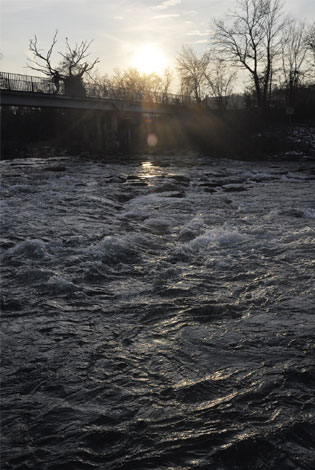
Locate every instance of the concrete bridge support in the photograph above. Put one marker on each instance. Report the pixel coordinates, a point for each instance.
(107, 132)
(97, 131)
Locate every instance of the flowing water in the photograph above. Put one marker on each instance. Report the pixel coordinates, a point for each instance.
(158, 314)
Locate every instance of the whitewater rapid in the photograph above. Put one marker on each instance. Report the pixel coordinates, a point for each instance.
(158, 313)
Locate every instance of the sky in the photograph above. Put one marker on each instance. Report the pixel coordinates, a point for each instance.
(147, 34)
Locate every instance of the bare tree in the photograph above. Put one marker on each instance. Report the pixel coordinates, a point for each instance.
(138, 86)
(130, 80)
(250, 38)
(72, 67)
(294, 54)
(167, 79)
(152, 83)
(73, 60)
(221, 79)
(45, 68)
(310, 42)
(192, 72)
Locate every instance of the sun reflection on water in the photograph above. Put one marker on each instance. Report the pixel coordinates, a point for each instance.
(148, 170)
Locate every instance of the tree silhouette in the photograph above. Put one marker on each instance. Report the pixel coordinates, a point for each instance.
(221, 79)
(193, 72)
(71, 69)
(310, 42)
(294, 54)
(251, 38)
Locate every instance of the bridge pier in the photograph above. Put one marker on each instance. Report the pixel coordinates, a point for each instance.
(102, 121)
(96, 131)
(106, 132)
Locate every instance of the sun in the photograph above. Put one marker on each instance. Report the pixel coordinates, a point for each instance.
(149, 58)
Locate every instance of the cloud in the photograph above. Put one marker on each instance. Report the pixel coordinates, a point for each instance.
(118, 17)
(161, 17)
(167, 4)
(198, 33)
(201, 41)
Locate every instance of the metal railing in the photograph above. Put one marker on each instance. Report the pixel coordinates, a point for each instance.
(26, 83)
(30, 84)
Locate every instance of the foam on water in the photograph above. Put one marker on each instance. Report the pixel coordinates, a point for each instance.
(309, 213)
(33, 249)
(153, 320)
(113, 249)
(59, 285)
(214, 238)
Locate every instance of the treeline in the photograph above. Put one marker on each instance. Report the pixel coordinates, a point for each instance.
(257, 45)
(261, 44)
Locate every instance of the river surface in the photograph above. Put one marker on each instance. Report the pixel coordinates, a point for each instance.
(158, 314)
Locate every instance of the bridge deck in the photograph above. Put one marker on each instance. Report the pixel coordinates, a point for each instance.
(24, 90)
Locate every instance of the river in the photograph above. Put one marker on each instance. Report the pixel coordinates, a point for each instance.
(158, 314)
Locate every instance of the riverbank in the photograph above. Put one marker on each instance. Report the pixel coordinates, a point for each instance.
(237, 134)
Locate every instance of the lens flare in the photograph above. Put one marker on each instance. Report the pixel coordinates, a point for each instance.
(152, 140)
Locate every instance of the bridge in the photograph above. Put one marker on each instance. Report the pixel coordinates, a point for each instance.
(97, 117)
(26, 90)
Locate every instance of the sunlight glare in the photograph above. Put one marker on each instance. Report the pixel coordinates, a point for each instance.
(152, 140)
(148, 170)
(149, 58)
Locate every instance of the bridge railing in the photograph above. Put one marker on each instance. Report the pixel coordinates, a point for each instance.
(27, 83)
(30, 84)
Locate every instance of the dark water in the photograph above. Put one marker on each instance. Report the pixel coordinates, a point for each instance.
(158, 314)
